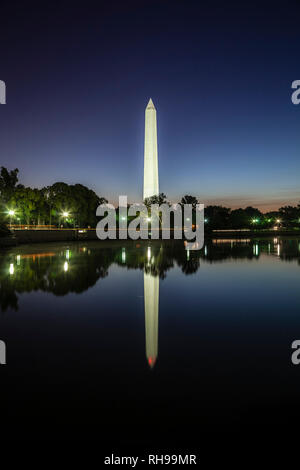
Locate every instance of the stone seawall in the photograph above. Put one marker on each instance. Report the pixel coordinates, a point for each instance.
(44, 236)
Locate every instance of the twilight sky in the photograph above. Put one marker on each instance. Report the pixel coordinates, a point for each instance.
(79, 77)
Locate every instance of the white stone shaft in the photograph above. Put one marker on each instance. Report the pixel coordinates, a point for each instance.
(150, 153)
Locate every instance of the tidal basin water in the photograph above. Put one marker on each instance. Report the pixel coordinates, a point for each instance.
(147, 342)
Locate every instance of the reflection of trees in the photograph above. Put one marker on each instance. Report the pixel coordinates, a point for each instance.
(227, 251)
(61, 273)
(155, 259)
(233, 250)
(164, 255)
(52, 273)
(289, 249)
(191, 266)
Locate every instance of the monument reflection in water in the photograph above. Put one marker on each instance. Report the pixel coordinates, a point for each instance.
(151, 300)
(228, 314)
(61, 269)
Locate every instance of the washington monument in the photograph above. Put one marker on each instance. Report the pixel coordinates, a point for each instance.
(150, 153)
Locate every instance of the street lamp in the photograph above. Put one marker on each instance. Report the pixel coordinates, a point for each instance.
(11, 213)
(65, 214)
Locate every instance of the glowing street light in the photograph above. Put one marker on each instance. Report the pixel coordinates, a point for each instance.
(278, 221)
(11, 214)
(65, 215)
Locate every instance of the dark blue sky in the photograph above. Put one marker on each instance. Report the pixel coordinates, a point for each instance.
(79, 77)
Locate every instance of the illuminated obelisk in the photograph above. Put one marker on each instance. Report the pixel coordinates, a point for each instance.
(150, 153)
(151, 295)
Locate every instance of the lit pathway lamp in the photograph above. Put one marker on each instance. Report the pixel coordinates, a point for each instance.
(11, 214)
(65, 215)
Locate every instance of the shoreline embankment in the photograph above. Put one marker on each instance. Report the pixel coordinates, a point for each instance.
(73, 235)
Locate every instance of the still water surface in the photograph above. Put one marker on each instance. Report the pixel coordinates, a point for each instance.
(147, 342)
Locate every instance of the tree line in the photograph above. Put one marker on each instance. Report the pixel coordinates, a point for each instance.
(60, 203)
(75, 205)
(220, 217)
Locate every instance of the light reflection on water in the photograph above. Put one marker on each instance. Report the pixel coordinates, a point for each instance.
(197, 316)
(59, 269)
(25, 263)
